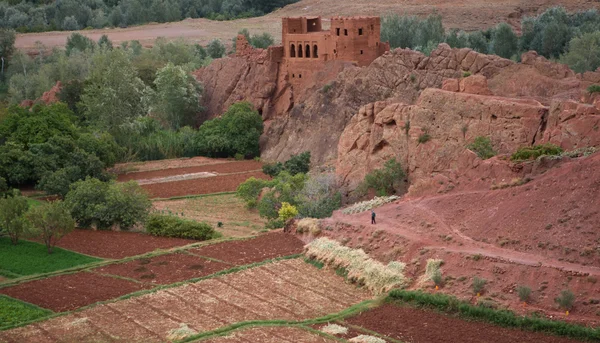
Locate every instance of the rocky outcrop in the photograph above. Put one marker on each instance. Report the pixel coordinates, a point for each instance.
(430, 136)
(49, 97)
(573, 125)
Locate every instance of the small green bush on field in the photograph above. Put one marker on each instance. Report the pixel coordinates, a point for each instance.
(531, 153)
(13, 311)
(593, 89)
(524, 293)
(482, 146)
(171, 226)
(452, 305)
(424, 138)
(478, 284)
(565, 299)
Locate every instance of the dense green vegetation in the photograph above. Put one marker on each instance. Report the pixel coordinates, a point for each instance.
(42, 15)
(533, 152)
(388, 180)
(451, 305)
(573, 38)
(13, 311)
(482, 146)
(315, 196)
(172, 226)
(27, 258)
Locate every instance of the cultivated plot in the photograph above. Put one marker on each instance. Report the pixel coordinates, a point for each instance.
(286, 290)
(270, 335)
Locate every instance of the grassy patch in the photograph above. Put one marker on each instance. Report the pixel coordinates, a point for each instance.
(451, 305)
(27, 258)
(533, 152)
(13, 311)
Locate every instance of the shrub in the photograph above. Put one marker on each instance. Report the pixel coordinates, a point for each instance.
(387, 180)
(437, 278)
(215, 49)
(319, 197)
(171, 226)
(274, 224)
(593, 89)
(505, 42)
(565, 299)
(287, 211)
(51, 221)
(584, 53)
(12, 216)
(466, 74)
(482, 146)
(107, 204)
(298, 163)
(424, 138)
(531, 153)
(272, 169)
(250, 189)
(237, 131)
(524, 293)
(478, 284)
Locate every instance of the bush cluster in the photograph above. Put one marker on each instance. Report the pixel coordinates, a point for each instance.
(482, 146)
(388, 180)
(172, 226)
(296, 164)
(533, 152)
(105, 205)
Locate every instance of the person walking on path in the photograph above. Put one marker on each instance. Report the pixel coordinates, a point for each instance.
(373, 217)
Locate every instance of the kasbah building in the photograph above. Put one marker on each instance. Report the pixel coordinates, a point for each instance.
(306, 47)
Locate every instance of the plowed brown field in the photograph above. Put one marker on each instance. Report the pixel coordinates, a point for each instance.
(288, 290)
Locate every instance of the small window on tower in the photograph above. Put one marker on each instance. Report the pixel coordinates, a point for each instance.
(361, 52)
(337, 31)
(299, 76)
(293, 75)
(372, 27)
(360, 31)
(345, 32)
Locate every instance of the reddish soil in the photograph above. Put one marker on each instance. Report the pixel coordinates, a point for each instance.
(116, 245)
(69, 292)
(221, 183)
(414, 325)
(165, 269)
(221, 168)
(258, 249)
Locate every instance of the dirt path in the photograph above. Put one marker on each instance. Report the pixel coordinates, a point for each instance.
(465, 14)
(401, 218)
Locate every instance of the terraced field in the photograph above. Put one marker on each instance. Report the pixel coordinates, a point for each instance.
(289, 290)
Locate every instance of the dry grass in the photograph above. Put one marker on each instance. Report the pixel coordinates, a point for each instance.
(432, 268)
(366, 339)
(309, 225)
(375, 276)
(180, 333)
(237, 220)
(334, 329)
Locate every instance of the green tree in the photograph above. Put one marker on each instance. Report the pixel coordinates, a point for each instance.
(262, 41)
(177, 98)
(7, 47)
(478, 42)
(107, 204)
(12, 216)
(385, 181)
(215, 49)
(399, 31)
(114, 94)
(298, 163)
(237, 131)
(79, 42)
(51, 221)
(457, 39)
(431, 32)
(319, 197)
(505, 42)
(584, 53)
(105, 43)
(482, 146)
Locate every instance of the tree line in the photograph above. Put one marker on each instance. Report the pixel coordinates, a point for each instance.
(41, 15)
(571, 38)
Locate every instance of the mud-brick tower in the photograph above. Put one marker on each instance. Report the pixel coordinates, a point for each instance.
(307, 47)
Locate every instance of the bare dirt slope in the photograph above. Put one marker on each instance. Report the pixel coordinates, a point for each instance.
(543, 235)
(464, 14)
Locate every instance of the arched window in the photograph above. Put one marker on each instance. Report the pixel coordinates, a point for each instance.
(300, 50)
(307, 51)
(315, 51)
(292, 50)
